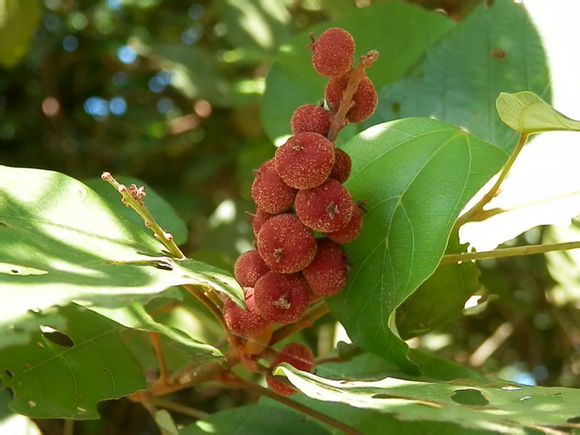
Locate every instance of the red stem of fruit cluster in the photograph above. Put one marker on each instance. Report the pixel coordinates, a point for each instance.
(339, 119)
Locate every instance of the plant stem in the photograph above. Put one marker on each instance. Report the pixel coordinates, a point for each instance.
(478, 207)
(306, 322)
(182, 409)
(509, 252)
(154, 337)
(133, 197)
(297, 406)
(354, 78)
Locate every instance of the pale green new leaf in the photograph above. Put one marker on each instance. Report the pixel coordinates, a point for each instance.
(502, 407)
(527, 113)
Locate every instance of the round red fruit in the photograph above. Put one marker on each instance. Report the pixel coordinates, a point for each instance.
(281, 298)
(244, 323)
(332, 52)
(285, 244)
(328, 272)
(351, 231)
(258, 219)
(298, 356)
(270, 192)
(310, 118)
(326, 208)
(249, 267)
(342, 164)
(364, 99)
(305, 160)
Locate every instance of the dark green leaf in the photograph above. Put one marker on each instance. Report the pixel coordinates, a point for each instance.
(415, 176)
(494, 50)
(67, 380)
(441, 298)
(400, 32)
(255, 419)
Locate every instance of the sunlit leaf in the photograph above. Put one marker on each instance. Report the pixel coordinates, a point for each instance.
(18, 22)
(503, 407)
(415, 176)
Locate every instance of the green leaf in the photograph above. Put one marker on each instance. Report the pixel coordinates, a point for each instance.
(415, 176)
(494, 49)
(255, 419)
(262, 24)
(164, 214)
(293, 81)
(441, 298)
(66, 376)
(135, 317)
(469, 404)
(18, 22)
(527, 113)
(60, 242)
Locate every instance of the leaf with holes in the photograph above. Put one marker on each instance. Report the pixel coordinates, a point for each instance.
(495, 49)
(415, 176)
(502, 407)
(527, 113)
(65, 373)
(60, 242)
(378, 27)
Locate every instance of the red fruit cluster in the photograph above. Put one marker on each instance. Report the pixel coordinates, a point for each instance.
(298, 356)
(303, 212)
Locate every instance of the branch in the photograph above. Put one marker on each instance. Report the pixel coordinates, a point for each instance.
(297, 406)
(133, 197)
(354, 78)
(509, 252)
(478, 207)
(306, 322)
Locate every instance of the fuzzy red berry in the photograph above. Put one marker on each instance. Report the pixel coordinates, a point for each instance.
(305, 160)
(244, 323)
(257, 220)
(298, 356)
(310, 118)
(364, 99)
(351, 231)
(328, 272)
(342, 164)
(326, 208)
(249, 267)
(281, 298)
(332, 52)
(270, 192)
(285, 244)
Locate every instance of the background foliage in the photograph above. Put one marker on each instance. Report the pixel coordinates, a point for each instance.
(189, 96)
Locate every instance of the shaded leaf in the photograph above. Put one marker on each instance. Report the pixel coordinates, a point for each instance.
(84, 252)
(293, 81)
(54, 381)
(469, 404)
(402, 170)
(441, 298)
(495, 49)
(527, 113)
(18, 22)
(255, 419)
(135, 317)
